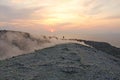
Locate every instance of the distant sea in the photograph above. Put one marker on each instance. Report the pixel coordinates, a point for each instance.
(113, 39)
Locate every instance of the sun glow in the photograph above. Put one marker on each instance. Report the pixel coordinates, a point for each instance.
(61, 14)
(56, 18)
(52, 30)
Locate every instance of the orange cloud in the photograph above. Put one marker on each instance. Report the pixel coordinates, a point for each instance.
(63, 14)
(17, 1)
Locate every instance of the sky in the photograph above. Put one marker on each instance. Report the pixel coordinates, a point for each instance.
(56, 16)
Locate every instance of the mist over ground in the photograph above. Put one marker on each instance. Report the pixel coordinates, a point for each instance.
(14, 43)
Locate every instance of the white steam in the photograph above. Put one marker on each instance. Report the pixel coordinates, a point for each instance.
(17, 43)
(14, 43)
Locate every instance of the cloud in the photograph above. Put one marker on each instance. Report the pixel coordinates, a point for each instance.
(17, 1)
(112, 17)
(10, 13)
(65, 14)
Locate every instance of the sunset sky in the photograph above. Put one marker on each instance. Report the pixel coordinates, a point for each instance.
(80, 16)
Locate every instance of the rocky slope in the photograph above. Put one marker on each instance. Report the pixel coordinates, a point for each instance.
(105, 47)
(62, 62)
(102, 46)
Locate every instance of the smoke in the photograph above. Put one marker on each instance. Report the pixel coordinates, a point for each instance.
(8, 50)
(14, 43)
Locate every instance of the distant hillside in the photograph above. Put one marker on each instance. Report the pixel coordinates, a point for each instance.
(102, 46)
(105, 47)
(15, 43)
(62, 62)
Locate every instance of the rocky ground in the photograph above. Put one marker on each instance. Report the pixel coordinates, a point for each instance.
(70, 61)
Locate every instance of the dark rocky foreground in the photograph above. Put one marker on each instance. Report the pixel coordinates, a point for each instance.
(62, 62)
